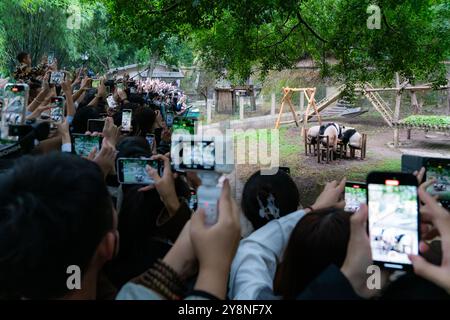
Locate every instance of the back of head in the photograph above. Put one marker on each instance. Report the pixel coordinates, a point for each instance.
(22, 56)
(54, 211)
(143, 121)
(80, 120)
(319, 239)
(267, 197)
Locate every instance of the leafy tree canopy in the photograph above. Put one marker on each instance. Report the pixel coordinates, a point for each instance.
(243, 37)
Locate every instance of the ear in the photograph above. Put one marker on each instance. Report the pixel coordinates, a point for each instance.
(106, 248)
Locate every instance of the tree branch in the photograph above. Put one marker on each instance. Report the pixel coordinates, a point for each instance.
(302, 21)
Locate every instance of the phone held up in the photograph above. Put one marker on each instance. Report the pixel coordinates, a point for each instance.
(133, 170)
(394, 219)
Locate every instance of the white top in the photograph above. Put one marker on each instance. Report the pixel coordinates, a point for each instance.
(254, 266)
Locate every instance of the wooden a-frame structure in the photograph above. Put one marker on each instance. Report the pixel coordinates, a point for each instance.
(287, 99)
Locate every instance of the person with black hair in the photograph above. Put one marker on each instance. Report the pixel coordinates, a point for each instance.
(268, 197)
(319, 239)
(55, 213)
(255, 264)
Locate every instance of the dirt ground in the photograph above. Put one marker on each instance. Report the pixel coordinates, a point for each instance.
(310, 176)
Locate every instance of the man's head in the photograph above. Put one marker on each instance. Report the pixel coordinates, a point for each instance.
(24, 57)
(55, 211)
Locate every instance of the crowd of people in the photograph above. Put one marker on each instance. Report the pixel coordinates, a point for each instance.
(58, 209)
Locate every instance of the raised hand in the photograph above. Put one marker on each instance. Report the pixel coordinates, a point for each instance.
(439, 221)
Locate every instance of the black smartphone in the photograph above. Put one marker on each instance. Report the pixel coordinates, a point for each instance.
(394, 219)
(439, 169)
(96, 125)
(151, 140)
(354, 195)
(84, 144)
(133, 170)
(169, 119)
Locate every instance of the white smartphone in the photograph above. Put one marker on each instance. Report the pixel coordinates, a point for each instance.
(126, 120)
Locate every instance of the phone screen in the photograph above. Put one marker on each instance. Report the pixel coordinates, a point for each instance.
(440, 171)
(96, 125)
(56, 78)
(126, 120)
(169, 119)
(393, 222)
(132, 171)
(151, 140)
(14, 109)
(50, 58)
(57, 109)
(355, 194)
(197, 155)
(83, 144)
(112, 104)
(95, 83)
(184, 124)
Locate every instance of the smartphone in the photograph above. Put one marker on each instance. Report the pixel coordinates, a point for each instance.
(394, 219)
(194, 155)
(83, 144)
(57, 109)
(95, 83)
(439, 169)
(151, 140)
(112, 104)
(354, 195)
(57, 78)
(126, 120)
(50, 58)
(169, 119)
(193, 200)
(184, 124)
(15, 99)
(132, 170)
(96, 125)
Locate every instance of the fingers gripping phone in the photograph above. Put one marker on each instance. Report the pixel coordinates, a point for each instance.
(84, 144)
(133, 170)
(354, 195)
(394, 219)
(126, 120)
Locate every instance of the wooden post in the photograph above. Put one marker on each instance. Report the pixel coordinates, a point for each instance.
(302, 101)
(208, 113)
(241, 108)
(448, 96)
(272, 108)
(398, 100)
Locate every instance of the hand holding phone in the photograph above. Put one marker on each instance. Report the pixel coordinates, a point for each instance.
(133, 170)
(57, 109)
(84, 144)
(355, 195)
(393, 218)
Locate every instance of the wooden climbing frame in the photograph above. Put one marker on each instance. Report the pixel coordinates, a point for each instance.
(287, 99)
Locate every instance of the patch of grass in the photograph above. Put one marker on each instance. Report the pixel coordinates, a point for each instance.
(359, 173)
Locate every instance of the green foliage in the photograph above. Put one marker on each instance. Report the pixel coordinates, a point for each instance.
(438, 121)
(239, 38)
